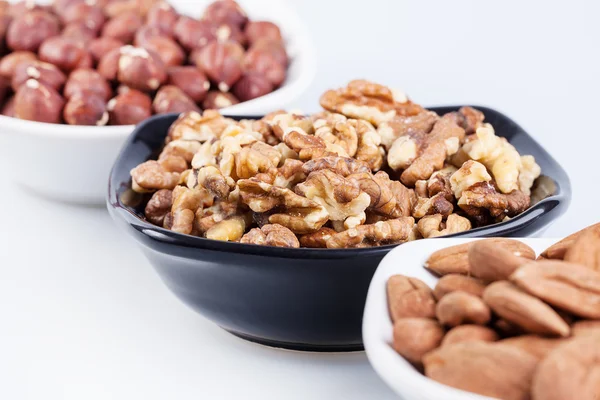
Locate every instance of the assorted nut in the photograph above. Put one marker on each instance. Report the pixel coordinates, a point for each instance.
(506, 325)
(327, 179)
(103, 47)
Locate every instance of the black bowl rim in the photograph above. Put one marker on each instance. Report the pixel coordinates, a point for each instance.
(160, 234)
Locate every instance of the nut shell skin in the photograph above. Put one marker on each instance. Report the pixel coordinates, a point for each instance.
(90, 15)
(86, 109)
(251, 86)
(221, 62)
(162, 16)
(194, 34)
(140, 69)
(35, 101)
(8, 110)
(171, 99)
(274, 48)
(226, 12)
(63, 52)
(191, 80)
(129, 108)
(79, 32)
(168, 50)
(44, 72)
(263, 63)
(9, 62)
(216, 99)
(145, 33)
(87, 80)
(122, 27)
(256, 30)
(103, 45)
(31, 29)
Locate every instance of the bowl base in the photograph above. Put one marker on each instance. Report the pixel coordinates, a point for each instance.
(300, 346)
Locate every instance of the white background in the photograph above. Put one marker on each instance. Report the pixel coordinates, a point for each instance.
(83, 315)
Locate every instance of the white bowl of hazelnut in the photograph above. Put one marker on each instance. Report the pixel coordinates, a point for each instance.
(77, 76)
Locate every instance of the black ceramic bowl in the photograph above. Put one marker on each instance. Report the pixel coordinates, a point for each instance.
(306, 299)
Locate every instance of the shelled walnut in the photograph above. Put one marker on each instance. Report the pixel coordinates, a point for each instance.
(334, 180)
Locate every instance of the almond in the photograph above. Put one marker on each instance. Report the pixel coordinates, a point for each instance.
(451, 260)
(558, 250)
(455, 282)
(414, 337)
(524, 310)
(586, 250)
(571, 371)
(568, 286)
(459, 308)
(489, 369)
(455, 259)
(409, 297)
(586, 328)
(491, 262)
(537, 346)
(469, 333)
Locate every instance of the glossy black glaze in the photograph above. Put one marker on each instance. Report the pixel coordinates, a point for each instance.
(306, 299)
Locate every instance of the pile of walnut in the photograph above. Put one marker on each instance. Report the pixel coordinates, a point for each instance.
(117, 62)
(374, 169)
(501, 324)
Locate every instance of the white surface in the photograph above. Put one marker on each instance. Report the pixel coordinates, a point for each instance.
(398, 373)
(83, 315)
(77, 160)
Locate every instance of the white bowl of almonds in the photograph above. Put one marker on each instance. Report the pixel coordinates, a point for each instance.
(458, 319)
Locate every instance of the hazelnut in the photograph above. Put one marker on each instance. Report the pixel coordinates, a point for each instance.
(256, 30)
(191, 80)
(86, 109)
(122, 27)
(5, 21)
(274, 48)
(59, 6)
(86, 80)
(77, 31)
(9, 62)
(251, 86)
(117, 7)
(103, 45)
(86, 61)
(263, 63)
(162, 16)
(63, 52)
(4, 88)
(90, 15)
(222, 62)
(169, 51)
(146, 33)
(226, 32)
(129, 108)
(44, 72)
(8, 110)
(35, 101)
(28, 31)
(140, 68)
(193, 34)
(21, 8)
(226, 12)
(171, 99)
(216, 99)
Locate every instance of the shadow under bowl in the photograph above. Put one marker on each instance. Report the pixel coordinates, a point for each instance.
(302, 299)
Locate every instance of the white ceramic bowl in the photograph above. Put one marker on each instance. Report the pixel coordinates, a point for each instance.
(72, 163)
(398, 373)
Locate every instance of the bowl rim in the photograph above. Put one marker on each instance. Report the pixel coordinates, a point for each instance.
(153, 232)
